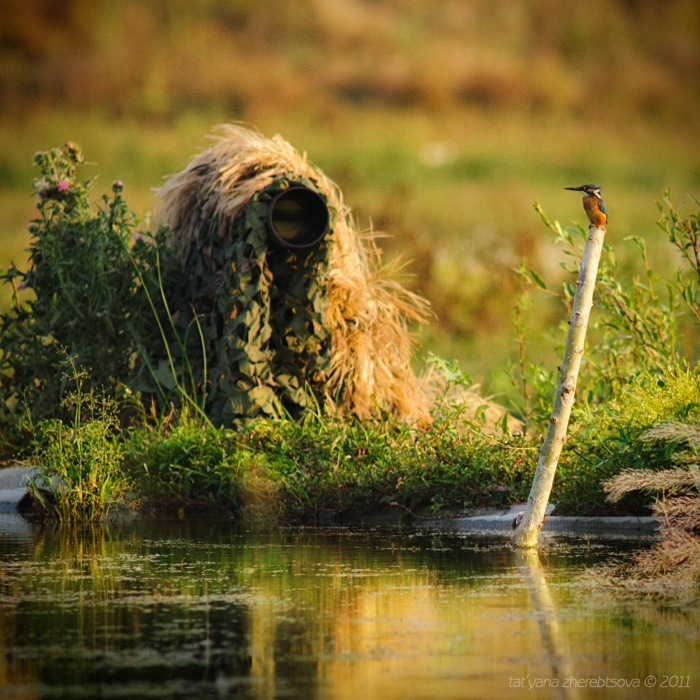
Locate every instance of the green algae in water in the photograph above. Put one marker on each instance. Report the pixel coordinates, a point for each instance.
(207, 610)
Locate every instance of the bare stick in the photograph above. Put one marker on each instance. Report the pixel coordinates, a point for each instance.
(528, 530)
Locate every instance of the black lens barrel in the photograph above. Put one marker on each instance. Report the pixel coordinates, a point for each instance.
(297, 217)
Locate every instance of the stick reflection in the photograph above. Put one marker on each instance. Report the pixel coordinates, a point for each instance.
(553, 641)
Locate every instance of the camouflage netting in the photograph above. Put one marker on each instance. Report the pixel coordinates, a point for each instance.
(266, 329)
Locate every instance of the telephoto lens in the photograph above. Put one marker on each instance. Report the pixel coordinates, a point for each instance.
(297, 217)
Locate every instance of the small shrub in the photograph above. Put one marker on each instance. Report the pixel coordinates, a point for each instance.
(633, 375)
(608, 442)
(297, 470)
(195, 463)
(80, 466)
(87, 309)
(633, 329)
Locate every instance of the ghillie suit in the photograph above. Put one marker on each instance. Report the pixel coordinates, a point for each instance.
(264, 329)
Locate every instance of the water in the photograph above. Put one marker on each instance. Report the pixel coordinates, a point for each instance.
(203, 609)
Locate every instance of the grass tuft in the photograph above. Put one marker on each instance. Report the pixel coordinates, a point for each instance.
(80, 463)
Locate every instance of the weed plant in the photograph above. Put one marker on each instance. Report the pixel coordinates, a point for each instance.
(81, 472)
(298, 470)
(81, 301)
(191, 463)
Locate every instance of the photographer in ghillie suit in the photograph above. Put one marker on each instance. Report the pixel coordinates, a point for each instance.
(275, 299)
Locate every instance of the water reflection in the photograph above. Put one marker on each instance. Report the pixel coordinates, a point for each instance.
(174, 610)
(553, 641)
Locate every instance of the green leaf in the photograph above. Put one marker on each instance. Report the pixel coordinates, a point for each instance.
(537, 279)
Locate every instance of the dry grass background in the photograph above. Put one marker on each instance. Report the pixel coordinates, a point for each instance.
(441, 120)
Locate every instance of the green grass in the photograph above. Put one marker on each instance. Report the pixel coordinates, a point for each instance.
(326, 467)
(607, 442)
(295, 472)
(81, 474)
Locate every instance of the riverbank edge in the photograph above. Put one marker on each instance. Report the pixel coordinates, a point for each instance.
(501, 521)
(13, 488)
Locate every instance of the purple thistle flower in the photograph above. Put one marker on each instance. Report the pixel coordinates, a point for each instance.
(22, 284)
(62, 185)
(137, 237)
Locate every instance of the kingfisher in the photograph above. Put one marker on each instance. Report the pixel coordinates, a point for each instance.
(593, 204)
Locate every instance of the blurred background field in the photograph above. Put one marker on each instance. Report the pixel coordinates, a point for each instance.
(441, 120)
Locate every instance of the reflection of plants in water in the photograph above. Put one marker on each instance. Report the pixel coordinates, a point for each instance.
(75, 563)
(206, 602)
(86, 590)
(97, 568)
(203, 601)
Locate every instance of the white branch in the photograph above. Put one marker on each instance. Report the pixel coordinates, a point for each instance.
(528, 530)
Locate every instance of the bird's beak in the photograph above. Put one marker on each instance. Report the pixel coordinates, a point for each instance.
(575, 189)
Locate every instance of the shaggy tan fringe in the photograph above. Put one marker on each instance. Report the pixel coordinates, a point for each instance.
(368, 313)
(680, 512)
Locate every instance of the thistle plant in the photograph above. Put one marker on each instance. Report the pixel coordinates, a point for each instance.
(81, 296)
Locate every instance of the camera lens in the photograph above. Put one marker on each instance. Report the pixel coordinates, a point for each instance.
(297, 217)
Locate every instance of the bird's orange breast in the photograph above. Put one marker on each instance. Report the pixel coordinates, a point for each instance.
(593, 211)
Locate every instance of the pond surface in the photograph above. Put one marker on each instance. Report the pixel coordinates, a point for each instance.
(206, 610)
